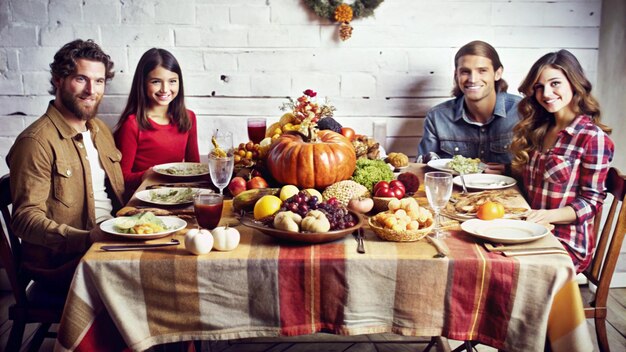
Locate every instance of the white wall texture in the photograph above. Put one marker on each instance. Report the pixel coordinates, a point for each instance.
(396, 66)
(242, 58)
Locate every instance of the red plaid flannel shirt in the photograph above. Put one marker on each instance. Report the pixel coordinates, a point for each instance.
(572, 174)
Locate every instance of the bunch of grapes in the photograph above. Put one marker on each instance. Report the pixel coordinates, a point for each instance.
(300, 203)
(247, 154)
(337, 214)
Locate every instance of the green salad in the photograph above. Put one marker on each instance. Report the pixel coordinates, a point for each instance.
(187, 170)
(142, 223)
(369, 171)
(172, 196)
(465, 165)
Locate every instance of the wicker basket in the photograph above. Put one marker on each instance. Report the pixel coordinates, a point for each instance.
(399, 236)
(382, 203)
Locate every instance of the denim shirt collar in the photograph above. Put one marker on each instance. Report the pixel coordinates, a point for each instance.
(499, 110)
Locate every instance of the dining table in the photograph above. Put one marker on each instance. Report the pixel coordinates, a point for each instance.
(267, 287)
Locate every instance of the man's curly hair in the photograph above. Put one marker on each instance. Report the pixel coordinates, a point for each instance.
(64, 63)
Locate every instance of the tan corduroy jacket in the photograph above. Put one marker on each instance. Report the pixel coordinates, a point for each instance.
(53, 205)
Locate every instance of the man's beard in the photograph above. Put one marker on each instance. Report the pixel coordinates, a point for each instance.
(71, 103)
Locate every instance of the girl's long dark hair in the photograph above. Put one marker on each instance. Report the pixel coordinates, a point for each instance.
(138, 98)
(535, 120)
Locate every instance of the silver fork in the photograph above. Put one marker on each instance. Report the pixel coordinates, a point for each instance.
(359, 237)
(463, 184)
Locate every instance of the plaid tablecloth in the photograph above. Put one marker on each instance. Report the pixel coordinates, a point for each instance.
(269, 288)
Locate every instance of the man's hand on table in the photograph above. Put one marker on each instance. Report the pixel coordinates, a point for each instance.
(495, 168)
(97, 235)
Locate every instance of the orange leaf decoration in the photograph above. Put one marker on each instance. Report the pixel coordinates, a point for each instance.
(343, 13)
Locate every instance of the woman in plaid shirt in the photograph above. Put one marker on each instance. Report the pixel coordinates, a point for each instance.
(562, 152)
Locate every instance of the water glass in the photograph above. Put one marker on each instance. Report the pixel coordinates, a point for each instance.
(221, 164)
(208, 209)
(221, 170)
(438, 187)
(222, 140)
(256, 129)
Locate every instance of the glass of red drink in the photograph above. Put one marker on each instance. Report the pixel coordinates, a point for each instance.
(208, 209)
(256, 129)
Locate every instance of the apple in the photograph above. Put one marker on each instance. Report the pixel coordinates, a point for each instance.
(257, 182)
(394, 188)
(361, 205)
(237, 185)
(348, 133)
(397, 184)
(380, 185)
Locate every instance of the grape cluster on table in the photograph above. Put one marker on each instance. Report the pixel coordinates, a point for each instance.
(302, 202)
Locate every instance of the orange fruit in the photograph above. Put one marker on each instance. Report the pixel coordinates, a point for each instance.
(266, 206)
(490, 210)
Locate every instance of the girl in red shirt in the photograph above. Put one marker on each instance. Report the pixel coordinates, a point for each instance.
(155, 127)
(562, 151)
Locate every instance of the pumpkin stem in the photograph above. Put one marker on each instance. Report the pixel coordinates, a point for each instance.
(312, 133)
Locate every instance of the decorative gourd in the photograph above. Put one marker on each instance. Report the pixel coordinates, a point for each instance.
(288, 221)
(225, 238)
(315, 221)
(318, 162)
(198, 241)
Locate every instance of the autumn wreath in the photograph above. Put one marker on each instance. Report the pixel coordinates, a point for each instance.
(338, 11)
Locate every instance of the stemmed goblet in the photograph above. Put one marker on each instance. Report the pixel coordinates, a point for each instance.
(438, 186)
(221, 159)
(256, 129)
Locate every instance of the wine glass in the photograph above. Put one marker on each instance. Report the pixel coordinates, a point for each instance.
(438, 186)
(221, 159)
(256, 129)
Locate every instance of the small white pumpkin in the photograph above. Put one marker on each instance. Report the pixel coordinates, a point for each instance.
(198, 241)
(226, 238)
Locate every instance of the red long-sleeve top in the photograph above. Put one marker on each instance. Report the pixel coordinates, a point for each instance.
(142, 149)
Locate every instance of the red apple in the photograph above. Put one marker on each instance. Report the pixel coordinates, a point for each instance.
(257, 182)
(237, 185)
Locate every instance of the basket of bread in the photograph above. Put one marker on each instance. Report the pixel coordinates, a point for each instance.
(405, 221)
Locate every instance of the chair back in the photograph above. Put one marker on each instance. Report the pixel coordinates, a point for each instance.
(610, 239)
(10, 246)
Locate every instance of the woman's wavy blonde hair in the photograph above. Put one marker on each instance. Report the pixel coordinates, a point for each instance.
(535, 120)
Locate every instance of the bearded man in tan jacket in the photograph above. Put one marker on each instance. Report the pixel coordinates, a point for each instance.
(65, 168)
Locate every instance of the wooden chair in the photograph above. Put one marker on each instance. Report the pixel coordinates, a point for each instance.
(600, 272)
(33, 303)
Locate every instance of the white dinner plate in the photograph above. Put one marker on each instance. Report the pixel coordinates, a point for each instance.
(182, 169)
(505, 230)
(442, 165)
(148, 194)
(485, 181)
(172, 223)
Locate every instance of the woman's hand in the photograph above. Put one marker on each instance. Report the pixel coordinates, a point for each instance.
(146, 174)
(541, 216)
(565, 215)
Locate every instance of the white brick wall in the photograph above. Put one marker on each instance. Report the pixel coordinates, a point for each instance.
(396, 66)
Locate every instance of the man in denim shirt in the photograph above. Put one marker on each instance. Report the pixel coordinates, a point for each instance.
(478, 123)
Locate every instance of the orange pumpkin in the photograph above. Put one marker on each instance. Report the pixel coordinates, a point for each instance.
(311, 163)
